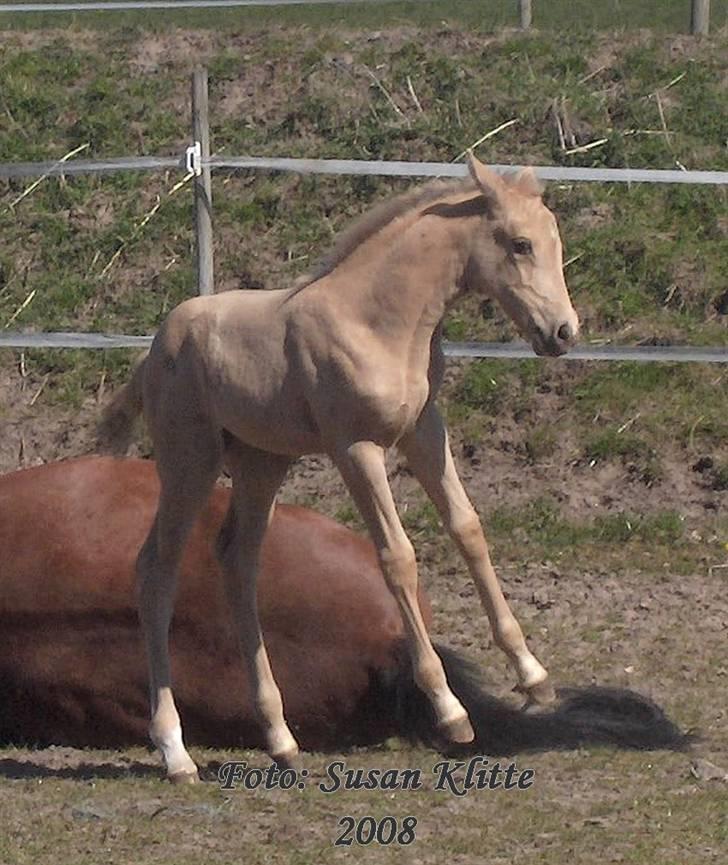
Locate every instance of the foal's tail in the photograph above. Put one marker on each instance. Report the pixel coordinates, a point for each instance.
(116, 427)
(583, 716)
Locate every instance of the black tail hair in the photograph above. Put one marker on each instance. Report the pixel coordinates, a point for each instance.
(582, 716)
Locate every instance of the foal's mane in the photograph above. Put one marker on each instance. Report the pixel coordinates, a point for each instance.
(377, 218)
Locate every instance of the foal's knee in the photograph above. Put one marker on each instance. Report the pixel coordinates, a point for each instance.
(399, 565)
(468, 532)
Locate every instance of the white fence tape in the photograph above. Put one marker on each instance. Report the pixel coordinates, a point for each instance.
(371, 168)
(89, 166)
(452, 169)
(122, 5)
(504, 350)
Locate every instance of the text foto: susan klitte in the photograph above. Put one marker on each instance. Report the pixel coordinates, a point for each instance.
(457, 777)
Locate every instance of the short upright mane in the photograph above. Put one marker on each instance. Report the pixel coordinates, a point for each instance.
(377, 218)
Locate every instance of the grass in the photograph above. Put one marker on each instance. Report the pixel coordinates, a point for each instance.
(661, 15)
(634, 413)
(540, 531)
(543, 526)
(648, 262)
(643, 808)
(651, 259)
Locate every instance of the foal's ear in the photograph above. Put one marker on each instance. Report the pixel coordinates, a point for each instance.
(487, 180)
(528, 183)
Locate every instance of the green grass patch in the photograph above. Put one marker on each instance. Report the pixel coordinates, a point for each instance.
(650, 259)
(541, 523)
(668, 403)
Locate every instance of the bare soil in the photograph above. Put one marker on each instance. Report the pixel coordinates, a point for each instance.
(496, 470)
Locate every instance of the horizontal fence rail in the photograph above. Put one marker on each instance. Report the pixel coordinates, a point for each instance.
(11, 339)
(370, 168)
(452, 169)
(643, 353)
(505, 350)
(9, 170)
(122, 5)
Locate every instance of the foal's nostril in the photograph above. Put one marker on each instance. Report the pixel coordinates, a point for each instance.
(564, 333)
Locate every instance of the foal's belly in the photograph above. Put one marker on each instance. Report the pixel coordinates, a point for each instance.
(280, 426)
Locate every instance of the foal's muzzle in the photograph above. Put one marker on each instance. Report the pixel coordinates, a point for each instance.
(556, 343)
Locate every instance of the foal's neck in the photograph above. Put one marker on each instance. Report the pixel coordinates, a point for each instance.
(410, 278)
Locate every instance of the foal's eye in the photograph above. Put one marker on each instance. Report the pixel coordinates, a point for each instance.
(522, 246)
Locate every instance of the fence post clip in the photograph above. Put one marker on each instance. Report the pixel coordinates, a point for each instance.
(193, 159)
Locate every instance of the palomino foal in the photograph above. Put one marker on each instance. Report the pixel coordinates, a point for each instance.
(346, 363)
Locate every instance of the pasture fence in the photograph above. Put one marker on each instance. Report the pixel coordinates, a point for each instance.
(203, 181)
(700, 17)
(525, 13)
(198, 163)
(132, 5)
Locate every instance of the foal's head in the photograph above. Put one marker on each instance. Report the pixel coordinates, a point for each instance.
(516, 258)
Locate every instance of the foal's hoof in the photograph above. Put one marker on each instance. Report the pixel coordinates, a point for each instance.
(184, 777)
(289, 760)
(540, 696)
(459, 732)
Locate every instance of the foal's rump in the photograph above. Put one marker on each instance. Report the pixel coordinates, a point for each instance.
(230, 361)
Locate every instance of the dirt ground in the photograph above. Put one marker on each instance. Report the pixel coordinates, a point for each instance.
(495, 467)
(646, 628)
(663, 636)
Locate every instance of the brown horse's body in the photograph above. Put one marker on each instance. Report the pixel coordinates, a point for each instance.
(72, 659)
(72, 665)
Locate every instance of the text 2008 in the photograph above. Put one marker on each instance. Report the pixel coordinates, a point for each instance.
(368, 830)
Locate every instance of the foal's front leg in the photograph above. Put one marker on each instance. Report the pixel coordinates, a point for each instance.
(362, 467)
(256, 479)
(429, 456)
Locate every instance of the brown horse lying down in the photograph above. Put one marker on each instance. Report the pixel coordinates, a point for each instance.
(72, 667)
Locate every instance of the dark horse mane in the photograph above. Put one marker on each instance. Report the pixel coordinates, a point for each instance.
(592, 715)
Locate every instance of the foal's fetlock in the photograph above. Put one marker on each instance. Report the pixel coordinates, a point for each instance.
(180, 767)
(283, 749)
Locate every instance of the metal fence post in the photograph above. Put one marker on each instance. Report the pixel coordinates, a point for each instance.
(524, 8)
(203, 183)
(700, 17)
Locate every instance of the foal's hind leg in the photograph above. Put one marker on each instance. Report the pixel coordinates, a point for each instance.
(183, 493)
(429, 456)
(256, 478)
(362, 467)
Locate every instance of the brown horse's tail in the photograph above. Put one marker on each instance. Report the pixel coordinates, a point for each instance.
(116, 427)
(583, 716)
